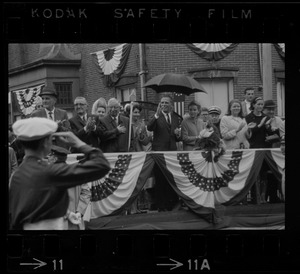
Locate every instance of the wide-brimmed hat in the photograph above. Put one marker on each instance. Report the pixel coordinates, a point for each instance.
(35, 128)
(269, 104)
(48, 91)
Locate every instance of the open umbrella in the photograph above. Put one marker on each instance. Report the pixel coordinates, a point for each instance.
(172, 82)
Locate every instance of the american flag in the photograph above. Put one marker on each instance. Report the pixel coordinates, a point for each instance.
(179, 103)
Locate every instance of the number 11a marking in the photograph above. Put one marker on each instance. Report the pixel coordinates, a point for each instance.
(60, 263)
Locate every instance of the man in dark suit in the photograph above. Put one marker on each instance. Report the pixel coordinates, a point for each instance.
(115, 127)
(166, 132)
(165, 126)
(60, 116)
(84, 125)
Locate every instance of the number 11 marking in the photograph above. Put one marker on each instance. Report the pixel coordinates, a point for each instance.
(60, 263)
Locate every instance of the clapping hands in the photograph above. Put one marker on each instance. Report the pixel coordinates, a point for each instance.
(241, 126)
(121, 129)
(90, 124)
(262, 122)
(251, 125)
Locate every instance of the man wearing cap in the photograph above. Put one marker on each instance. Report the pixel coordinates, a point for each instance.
(115, 129)
(273, 125)
(84, 125)
(60, 116)
(214, 113)
(38, 197)
(249, 94)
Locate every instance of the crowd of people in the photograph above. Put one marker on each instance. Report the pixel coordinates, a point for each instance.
(40, 145)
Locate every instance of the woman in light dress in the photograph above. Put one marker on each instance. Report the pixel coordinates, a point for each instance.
(234, 128)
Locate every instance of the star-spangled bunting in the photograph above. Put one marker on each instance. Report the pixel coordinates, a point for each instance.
(212, 51)
(202, 183)
(27, 98)
(112, 62)
(280, 47)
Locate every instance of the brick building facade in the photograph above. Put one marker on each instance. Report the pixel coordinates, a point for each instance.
(72, 65)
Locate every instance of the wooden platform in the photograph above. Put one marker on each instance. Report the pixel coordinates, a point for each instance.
(263, 216)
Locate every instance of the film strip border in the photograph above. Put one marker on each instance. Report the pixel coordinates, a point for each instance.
(138, 22)
(140, 251)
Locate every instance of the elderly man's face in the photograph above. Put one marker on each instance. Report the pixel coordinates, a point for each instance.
(80, 106)
(48, 102)
(270, 112)
(166, 104)
(114, 110)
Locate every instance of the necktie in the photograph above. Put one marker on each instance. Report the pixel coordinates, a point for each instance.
(115, 121)
(50, 115)
(168, 119)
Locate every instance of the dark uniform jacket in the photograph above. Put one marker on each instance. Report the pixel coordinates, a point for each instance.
(164, 138)
(38, 190)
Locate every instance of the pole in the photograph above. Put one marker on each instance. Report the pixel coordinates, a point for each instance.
(11, 107)
(267, 71)
(130, 124)
(142, 71)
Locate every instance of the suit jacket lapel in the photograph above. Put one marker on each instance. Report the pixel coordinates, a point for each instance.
(112, 121)
(81, 122)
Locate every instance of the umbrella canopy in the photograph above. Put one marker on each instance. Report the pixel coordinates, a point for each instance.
(172, 82)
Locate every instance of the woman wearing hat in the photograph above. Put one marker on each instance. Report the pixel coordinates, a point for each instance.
(99, 107)
(234, 129)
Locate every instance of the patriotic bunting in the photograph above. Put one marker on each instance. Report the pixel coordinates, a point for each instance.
(275, 160)
(26, 98)
(205, 185)
(212, 51)
(112, 62)
(280, 47)
(115, 193)
(178, 100)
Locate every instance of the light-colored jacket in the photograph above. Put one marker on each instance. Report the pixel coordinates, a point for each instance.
(190, 130)
(233, 139)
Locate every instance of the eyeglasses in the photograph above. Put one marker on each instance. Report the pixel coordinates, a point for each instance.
(79, 104)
